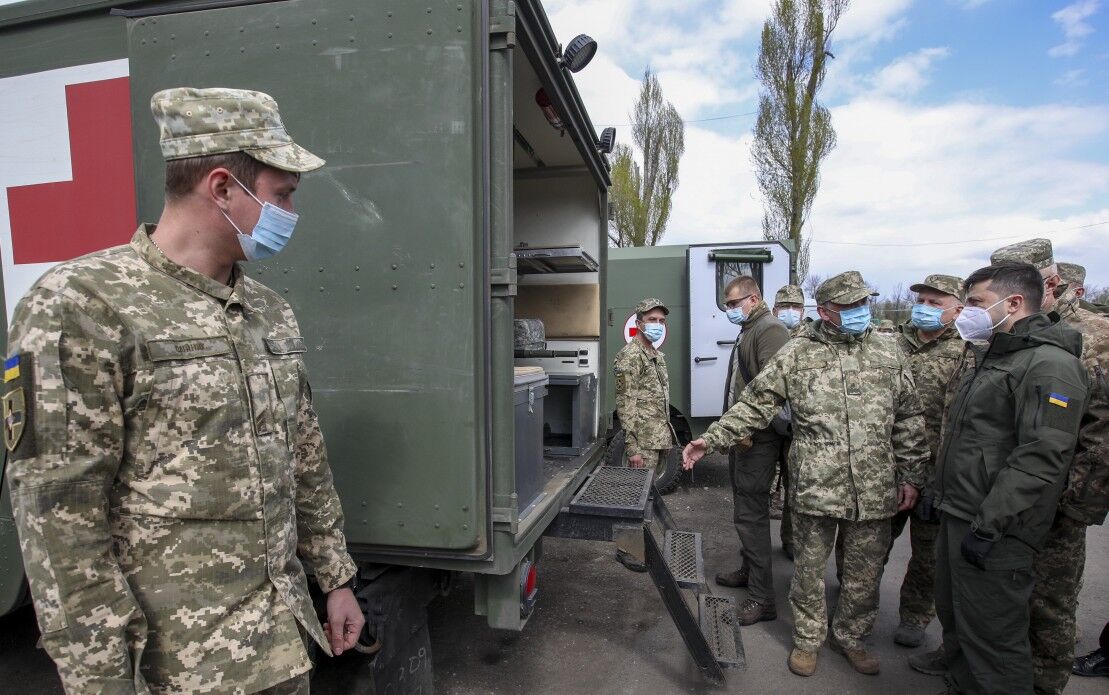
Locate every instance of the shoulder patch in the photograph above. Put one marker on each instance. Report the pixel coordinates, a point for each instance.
(1060, 412)
(18, 371)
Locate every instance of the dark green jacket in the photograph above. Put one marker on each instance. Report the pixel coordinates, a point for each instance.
(1010, 436)
(760, 338)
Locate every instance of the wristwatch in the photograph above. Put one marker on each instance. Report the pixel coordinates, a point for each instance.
(353, 584)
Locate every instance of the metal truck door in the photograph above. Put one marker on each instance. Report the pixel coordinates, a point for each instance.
(711, 335)
(386, 269)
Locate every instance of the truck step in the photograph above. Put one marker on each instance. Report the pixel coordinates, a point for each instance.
(682, 552)
(721, 629)
(614, 491)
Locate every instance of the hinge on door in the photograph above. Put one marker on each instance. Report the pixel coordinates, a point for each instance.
(502, 29)
(502, 280)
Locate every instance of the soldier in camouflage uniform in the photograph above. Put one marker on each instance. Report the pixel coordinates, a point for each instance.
(857, 459)
(789, 307)
(643, 397)
(1058, 567)
(167, 471)
(933, 349)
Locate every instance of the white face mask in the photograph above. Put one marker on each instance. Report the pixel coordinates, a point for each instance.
(974, 322)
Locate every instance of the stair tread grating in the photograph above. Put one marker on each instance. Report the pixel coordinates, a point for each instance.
(721, 629)
(615, 491)
(682, 550)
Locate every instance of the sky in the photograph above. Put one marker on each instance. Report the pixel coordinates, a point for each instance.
(962, 125)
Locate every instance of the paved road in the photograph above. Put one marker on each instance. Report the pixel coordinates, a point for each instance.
(601, 629)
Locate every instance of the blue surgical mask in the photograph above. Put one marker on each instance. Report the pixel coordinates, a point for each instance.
(855, 321)
(271, 233)
(790, 317)
(927, 318)
(654, 331)
(736, 316)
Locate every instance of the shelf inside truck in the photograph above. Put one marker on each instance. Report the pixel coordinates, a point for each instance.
(556, 259)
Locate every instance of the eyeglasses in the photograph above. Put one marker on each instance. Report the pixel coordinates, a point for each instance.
(733, 303)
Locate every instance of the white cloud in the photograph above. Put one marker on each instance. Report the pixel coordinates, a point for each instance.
(968, 4)
(1072, 19)
(909, 73)
(1072, 78)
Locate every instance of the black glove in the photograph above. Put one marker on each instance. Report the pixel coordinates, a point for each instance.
(926, 509)
(975, 549)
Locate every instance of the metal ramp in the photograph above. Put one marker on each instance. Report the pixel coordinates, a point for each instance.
(616, 502)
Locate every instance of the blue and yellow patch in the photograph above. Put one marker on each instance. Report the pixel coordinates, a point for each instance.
(1058, 399)
(11, 369)
(13, 403)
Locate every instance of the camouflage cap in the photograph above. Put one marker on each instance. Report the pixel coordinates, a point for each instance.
(1034, 251)
(789, 294)
(846, 288)
(948, 284)
(650, 303)
(201, 122)
(1072, 273)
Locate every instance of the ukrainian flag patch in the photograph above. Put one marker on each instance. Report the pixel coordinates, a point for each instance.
(1058, 399)
(11, 369)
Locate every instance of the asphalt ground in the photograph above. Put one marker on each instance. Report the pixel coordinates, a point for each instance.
(599, 628)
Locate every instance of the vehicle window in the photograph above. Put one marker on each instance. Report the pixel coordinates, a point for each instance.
(726, 271)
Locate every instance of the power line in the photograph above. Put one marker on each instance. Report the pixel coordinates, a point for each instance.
(950, 243)
(696, 120)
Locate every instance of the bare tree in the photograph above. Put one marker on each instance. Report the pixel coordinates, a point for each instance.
(895, 305)
(811, 283)
(642, 192)
(793, 132)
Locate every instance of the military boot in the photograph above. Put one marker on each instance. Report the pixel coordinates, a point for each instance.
(860, 659)
(734, 579)
(752, 612)
(801, 662)
(630, 561)
(909, 635)
(931, 663)
(1093, 664)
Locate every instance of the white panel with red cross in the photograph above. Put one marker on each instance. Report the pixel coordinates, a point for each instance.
(630, 331)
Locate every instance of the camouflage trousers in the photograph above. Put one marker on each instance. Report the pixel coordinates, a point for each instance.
(918, 605)
(1057, 570)
(297, 685)
(864, 547)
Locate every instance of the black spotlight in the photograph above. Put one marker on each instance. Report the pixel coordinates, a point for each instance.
(608, 140)
(578, 54)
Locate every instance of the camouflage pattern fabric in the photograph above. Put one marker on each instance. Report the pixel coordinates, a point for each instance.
(1057, 571)
(1035, 251)
(947, 284)
(858, 429)
(202, 122)
(800, 327)
(789, 294)
(643, 398)
(172, 478)
(846, 288)
(917, 605)
(1072, 273)
(865, 544)
(933, 364)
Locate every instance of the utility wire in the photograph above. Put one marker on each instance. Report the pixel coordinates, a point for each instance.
(696, 120)
(950, 243)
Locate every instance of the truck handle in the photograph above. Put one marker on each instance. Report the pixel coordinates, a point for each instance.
(699, 360)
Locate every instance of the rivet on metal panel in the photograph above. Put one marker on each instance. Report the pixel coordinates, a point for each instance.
(465, 507)
(286, 271)
(429, 10)
(276, 26)
(465, 527)
(321, 288)
(277, 47)
(242, 49)
(400, 505)
(433, 266)
(458, 7)
(205, 34)
(389, 35)
(433, 285)
(350, 18)
(436, 524)
(388, 14)
(461, 285)
(352, 39)
(461, 264)
(356, 269)
(286, 290)
(144, 42)
(364, 503)
(394, 266)
(357, 288)
(321, 268)
(400, 523)
(394, 287)
(207, 53)
(242, 29)
(173, 57)
(154, 40)
(313, 22)
(173, 37)
(436, 507)
(458, 28)
(430, 32)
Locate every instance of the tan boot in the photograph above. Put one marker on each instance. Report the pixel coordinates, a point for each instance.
(801, 662)
(860, 659)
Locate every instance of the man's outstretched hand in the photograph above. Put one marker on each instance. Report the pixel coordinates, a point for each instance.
(694, 452)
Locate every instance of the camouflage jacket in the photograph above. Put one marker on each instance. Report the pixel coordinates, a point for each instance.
(643, 398)
(933, 364)
(858, 431)
(170, 470)
(1087, 495)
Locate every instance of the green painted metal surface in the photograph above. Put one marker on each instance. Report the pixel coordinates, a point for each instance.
(386, 269)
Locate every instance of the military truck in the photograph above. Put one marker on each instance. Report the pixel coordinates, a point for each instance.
(699, 338)
(466, 188)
